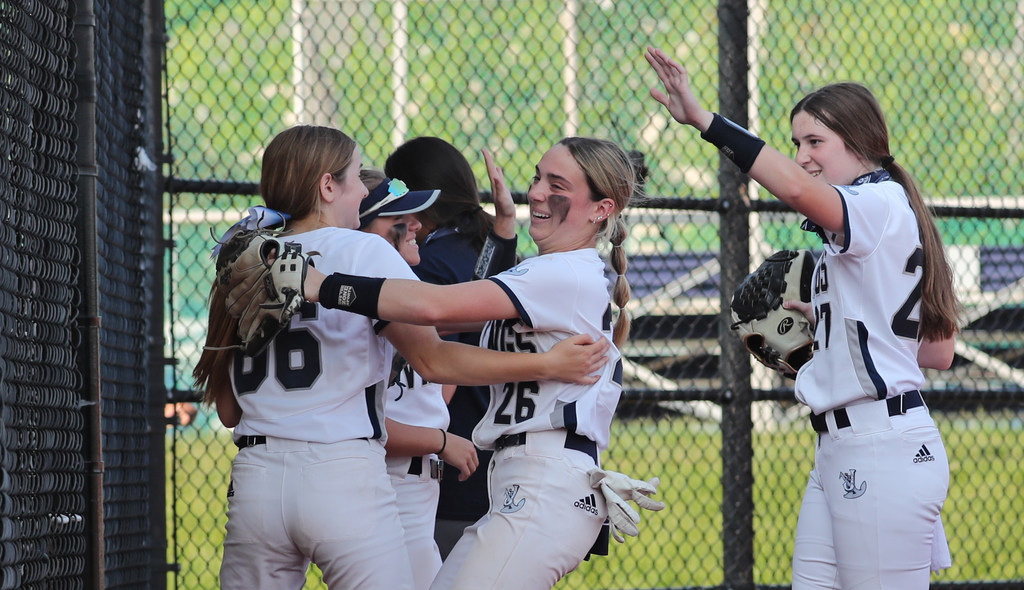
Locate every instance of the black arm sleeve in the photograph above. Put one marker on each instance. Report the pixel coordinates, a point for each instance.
(497, 255)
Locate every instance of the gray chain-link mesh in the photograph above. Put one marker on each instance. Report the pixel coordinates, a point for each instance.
(516, 76)
(42, 502)
(126, 245)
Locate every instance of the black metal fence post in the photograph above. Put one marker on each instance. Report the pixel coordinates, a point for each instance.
(734, 257)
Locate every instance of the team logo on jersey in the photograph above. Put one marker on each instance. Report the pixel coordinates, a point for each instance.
(511, 504)
(517, 271)
(587, 504)
(850, 487)
(923, 455)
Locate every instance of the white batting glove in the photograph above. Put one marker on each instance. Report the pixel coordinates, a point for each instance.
(616, 489)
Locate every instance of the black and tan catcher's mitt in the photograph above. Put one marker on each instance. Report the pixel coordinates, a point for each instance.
(263, 295)
(779, 338)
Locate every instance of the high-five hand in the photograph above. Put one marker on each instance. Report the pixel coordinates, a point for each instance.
(678, 97)
(504, 206)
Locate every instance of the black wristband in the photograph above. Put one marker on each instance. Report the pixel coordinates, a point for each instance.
(351, 293)
(735, 142)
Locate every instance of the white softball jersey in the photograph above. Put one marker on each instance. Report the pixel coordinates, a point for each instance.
(322, 379)
(558, 295)
(865, 295)
(870, 516)
(413, 401)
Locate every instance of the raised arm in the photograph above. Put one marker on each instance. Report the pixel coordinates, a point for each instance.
(777, 173)
(499, 251)
(504, 206)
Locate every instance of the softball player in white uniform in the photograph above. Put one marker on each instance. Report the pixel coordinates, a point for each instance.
(388, 211)
(884, 306)
(881, 473)
(309, 482)
(544, 516)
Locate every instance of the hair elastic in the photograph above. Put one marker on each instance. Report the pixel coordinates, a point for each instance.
(444, 441)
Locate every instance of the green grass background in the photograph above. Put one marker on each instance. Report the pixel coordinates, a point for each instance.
(681, 546)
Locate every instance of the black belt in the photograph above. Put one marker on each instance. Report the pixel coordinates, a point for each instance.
(576, 442)
(436, 467)
(897, 405)
(250, 440)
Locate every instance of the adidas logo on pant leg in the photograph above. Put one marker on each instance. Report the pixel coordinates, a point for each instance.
(923, 455)
(588, 503)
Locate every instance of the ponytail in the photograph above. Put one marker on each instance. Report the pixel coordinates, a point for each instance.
(940, 308)
(211, 372)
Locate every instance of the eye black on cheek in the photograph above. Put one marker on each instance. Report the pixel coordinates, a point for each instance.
(559, 205)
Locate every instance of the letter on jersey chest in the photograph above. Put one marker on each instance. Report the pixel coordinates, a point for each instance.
(504, 337)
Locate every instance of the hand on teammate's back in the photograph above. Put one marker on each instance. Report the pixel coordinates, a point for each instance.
(576, 359)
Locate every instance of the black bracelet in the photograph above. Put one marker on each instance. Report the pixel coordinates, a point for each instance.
(351, 293)
(444, 443)
(735, 142)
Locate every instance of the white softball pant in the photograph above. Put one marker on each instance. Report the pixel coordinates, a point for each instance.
(292, 502)
(870, 514)
(543, 519)
(417, 507)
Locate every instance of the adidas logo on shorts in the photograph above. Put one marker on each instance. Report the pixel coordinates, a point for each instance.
(588, 503)
(923, 456)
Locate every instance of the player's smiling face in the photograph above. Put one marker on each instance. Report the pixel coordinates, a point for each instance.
(560, 204)
(388, 228)
(823, 154)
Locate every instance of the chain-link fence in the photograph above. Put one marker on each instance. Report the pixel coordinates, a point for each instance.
(731, 446)
(79, 251)
(42, 482)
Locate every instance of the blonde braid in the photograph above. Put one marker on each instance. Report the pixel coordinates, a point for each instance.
(621, 292)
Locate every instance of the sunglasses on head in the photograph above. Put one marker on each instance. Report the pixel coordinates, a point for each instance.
(396, 190)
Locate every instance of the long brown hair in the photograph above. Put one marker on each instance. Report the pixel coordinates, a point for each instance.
(425, 163)
(293, 163)
(295, 160)
(852, 112)
(610, 174)
(211, 372)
